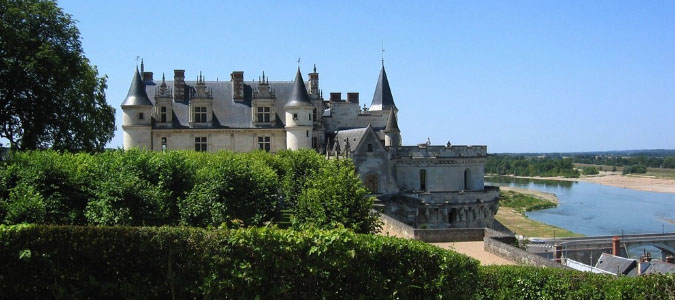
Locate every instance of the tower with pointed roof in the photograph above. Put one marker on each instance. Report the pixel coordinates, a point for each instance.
(392, 135)
(298, 115)
(137, 120)
(382, 99)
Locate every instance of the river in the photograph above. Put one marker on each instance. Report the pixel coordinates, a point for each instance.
(594, 209)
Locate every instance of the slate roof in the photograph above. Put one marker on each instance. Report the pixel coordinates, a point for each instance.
(382, 99)
(392, 124)
(137, 95)
(228, 113)
(298, 95)
(614, 264)
(659, 267)
(353, 135)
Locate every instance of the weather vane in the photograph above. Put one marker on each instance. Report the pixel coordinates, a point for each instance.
(298, 62)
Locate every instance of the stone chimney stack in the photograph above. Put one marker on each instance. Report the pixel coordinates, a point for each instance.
(179, 85)
(237, 78)
(314, 84)
(147, 76)
(353, 98)
(335, 97)
(616, 242)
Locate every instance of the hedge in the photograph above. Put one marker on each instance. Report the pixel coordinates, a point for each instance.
(86, 262)
(520, 282)
(143, 188)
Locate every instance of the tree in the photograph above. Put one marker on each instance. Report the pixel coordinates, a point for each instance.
(49, 93)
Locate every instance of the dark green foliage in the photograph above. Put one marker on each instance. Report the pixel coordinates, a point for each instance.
(144, 188)
(517, 282)
(334, 197)
(589, 171)
(634, 169)
(627, 160)
(50, 95)
(530, 166)
(69, 262)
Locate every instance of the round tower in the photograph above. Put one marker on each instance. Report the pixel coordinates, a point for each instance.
(137, 119)
(392, 135)
(298, 116)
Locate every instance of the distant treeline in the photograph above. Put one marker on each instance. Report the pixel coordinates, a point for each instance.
(530, 166)
(618, 161)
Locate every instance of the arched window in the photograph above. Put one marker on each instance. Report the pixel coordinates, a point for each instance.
(423, 180)
(467, 180)
(372, 183)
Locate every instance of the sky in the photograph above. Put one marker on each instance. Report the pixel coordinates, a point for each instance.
(517, 76)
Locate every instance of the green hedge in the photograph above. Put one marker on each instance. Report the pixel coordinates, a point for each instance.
(519, 282)
(143, 188)
(73, 262)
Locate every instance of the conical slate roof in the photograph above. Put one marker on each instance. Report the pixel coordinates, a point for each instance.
(299, 95)
(392, 124)
(382, 99)
(137, 95)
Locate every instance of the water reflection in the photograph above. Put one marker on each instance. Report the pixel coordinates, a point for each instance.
(525, 182)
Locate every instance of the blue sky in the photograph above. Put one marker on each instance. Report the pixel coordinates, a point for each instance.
(518, 76)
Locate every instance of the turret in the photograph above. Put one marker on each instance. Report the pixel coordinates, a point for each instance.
(137, 120)
(298, 116)
(382, 99)
(392, 135)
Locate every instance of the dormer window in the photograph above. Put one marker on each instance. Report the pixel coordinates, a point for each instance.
(140, 116)
(295, 116)
(200, 114)
(163, 114)
(370, 147)
(264, 114)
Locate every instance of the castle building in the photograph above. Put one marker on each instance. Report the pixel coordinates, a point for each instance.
(422, 185)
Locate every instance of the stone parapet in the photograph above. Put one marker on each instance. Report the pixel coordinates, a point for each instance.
(429, 151)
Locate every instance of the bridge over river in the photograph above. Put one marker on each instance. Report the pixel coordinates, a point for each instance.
(588, 249)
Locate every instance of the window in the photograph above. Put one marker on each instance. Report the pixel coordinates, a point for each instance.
(200, 114)
(264, 143)
(310, 117)
(372, 183)
(163, 114)
(307, 133)
(264, 114)
(140, 116)
(200, 144)
(295, 116)
(315, 143)
(370, 147)
(163, 144)
(467, 180)
(314, 115)
(423, 180)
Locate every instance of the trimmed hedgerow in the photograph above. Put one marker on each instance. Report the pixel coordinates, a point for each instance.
(520, 282)
(74, 262)
(142, 188)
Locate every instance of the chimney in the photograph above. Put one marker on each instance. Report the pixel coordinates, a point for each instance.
(179, 85)
(557, 255)
(314, 84)
(335, 97)
(616, 242)
(353, 98)
(237, 78)
(147, 76)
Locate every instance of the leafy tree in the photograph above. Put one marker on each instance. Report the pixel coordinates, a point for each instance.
(335, 197)
(49, 93)
(590, 171)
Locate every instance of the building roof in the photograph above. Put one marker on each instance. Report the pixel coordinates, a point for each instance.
(137, 95)
(354, 137)
(616, 264)
(392, 124)
(228, 113)
(382, 99)
(298, 95)
(659, 267)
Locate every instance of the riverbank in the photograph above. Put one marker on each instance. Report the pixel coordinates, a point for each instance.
(633, 182)
(514, 218)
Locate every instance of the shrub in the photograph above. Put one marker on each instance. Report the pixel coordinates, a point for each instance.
(519, 282)
(635, 169)
(75, 262)
(590, 171)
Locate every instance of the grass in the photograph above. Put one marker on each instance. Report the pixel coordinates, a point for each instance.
(511, 214)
